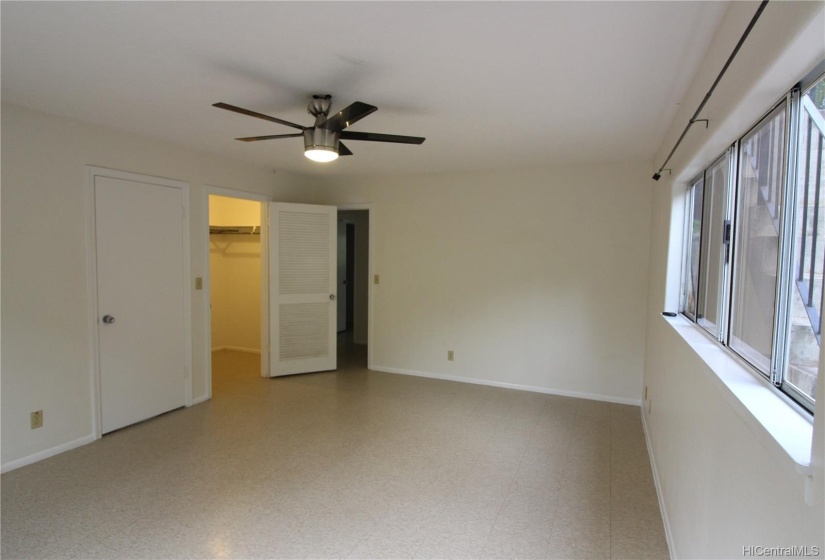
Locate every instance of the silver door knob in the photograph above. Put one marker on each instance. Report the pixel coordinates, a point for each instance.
(108, 319)
(332, 297)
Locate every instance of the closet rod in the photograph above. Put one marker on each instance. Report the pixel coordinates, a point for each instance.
(243, 230)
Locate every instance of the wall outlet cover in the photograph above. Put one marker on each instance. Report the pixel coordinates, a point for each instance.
(37, 419)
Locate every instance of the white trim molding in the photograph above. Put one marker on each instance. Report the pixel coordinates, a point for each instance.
(516, 386)
(46, 453)
(200, 399)
(91, 281)
(659, 492)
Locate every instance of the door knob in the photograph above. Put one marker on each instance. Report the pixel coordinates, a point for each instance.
(108, 319)
(332, 297)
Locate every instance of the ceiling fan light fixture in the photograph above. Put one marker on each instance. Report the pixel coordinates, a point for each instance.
(322, 141)
(320, 144)
(321, 154)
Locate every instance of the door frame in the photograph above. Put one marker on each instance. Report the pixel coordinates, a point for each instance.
(207, 282)
(368, 206)
(91, 281)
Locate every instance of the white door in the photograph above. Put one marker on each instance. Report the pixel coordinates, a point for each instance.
(302, 282)
(139, 240)
(342, 276)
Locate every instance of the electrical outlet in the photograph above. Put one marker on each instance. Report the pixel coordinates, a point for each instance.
(376, 279)
(450, 355)
(198, 283)
(37, 419)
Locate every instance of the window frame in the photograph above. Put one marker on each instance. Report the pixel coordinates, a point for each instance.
(792, 182)
(785, 258)
(722, 301)
(687, 264)
(735, 184)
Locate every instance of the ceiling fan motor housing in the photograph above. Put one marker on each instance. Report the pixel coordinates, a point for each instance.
(319, 138)
(319, 105)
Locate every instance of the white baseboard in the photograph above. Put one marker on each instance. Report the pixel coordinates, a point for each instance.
(659, 494)
(545, 390)
(237, 349)
(202, 398)
(45, 454)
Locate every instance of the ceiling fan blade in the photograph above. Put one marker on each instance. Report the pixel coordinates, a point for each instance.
(256, 115)
(343, 150)
(375, 137)
(269, 137)
(348, 116)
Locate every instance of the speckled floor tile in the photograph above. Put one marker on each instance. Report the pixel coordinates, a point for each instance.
(348, 464)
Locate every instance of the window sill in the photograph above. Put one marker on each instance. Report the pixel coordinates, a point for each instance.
(780, 425)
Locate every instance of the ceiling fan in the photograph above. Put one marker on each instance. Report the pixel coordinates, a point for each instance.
(322, 142)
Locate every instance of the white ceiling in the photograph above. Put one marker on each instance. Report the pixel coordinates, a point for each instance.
(491, 85)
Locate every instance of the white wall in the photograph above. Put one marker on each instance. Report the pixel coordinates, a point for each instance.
(721, 487)
(235, 275)
(46, 345)
(534, 278)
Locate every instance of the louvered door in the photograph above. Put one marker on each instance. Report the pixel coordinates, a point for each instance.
(302, 288)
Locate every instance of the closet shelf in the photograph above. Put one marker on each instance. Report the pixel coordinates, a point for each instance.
(225, 230)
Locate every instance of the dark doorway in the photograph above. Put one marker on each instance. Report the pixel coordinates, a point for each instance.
(350, 276)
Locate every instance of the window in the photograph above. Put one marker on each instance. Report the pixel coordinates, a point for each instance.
(755, 244)
(804, 336)
(693, 232)
(707, 233)
(758, 213)
(714, 249)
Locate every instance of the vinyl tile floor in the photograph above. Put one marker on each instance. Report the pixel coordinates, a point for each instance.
(347, 464)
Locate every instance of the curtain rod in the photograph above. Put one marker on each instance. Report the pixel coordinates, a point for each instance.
(693, 119)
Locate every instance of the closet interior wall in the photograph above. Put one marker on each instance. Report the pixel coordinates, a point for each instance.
(235, 274)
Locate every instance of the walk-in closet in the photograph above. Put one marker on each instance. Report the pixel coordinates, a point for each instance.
(235, 288)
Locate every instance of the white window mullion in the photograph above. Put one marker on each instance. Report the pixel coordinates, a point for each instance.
(785, 272)
(724, 300)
